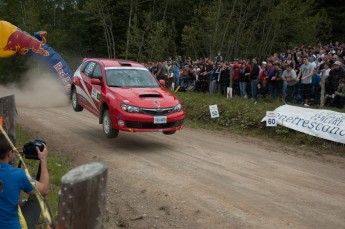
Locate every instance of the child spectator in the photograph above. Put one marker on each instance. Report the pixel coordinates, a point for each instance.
(263, 72)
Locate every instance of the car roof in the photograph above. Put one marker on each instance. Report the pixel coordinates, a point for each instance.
(115, 62)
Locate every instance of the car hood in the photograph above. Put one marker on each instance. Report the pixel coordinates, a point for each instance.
(145, 97)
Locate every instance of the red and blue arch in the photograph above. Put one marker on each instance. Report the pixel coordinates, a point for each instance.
(13, 40)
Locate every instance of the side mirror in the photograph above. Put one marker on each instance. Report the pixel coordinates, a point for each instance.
(95, 81)
(162, 82)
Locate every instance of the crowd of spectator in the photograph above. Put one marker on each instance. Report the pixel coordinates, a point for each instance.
(296, 76)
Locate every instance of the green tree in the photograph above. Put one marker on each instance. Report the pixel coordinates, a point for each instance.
(154, 30)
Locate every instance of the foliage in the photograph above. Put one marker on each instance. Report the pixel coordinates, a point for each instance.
(155, 30)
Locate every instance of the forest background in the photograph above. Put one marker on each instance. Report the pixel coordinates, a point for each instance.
(151, 30)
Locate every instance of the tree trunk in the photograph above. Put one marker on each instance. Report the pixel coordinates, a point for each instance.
(129, 27)
(253, 30)
(214, 41)
(165, 10)
(227, 26)
(105, 19)
(274, 33)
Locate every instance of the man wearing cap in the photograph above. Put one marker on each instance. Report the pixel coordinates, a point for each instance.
(263, 72)
(290, 83)
(337, 72)
(12, 182)
(160, 71)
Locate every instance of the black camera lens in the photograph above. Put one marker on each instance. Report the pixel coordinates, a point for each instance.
(29, 149)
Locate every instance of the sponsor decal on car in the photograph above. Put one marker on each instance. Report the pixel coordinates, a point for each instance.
(156, 103)
(83, 90)
(96, 94)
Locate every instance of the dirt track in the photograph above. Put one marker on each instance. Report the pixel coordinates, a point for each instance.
(199, 179)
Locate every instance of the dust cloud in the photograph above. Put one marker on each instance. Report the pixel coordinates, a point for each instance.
(39, 88)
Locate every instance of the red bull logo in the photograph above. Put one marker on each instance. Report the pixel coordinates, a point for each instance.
(66, 80)
(22, 42)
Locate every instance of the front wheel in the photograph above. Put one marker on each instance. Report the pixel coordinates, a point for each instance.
(75, 104)
(169, 132)
(107, 126)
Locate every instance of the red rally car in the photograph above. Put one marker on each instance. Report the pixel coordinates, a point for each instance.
(125, 96)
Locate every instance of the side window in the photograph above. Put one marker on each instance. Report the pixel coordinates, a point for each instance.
(89, 69)
(97, 73)
(83, 66)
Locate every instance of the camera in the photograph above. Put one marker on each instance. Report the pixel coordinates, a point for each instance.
(29, 149)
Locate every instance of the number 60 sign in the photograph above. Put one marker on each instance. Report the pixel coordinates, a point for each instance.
(214, 111)
(271, 118)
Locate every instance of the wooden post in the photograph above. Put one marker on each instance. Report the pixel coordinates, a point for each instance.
(82, 197)
(8, 113)
(231, 77)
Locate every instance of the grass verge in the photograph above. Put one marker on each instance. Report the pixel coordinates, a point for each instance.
(243, 116)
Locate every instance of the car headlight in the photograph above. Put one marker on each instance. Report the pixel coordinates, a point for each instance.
(177, 108)
(130, 109)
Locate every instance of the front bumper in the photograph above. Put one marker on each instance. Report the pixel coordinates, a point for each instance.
(136, 122)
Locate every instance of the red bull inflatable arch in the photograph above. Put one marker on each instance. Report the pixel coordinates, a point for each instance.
(13, 40)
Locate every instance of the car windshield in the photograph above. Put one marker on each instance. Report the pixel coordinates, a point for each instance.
(130, 78)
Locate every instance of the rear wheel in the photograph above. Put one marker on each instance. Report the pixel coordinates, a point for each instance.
(75, 104)
(107, 126)
(169, 132)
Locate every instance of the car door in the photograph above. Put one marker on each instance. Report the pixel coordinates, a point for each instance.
(86, 75)
(96, 89)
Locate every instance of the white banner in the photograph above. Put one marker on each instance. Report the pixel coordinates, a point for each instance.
(325, 124)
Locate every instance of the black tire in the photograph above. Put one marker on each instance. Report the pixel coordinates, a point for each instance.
(107, 126)
(75, 104)
(169, 132)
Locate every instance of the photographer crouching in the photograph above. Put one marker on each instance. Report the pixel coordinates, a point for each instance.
(14, 180)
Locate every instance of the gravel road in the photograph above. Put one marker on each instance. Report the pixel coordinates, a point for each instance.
(198, 178)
